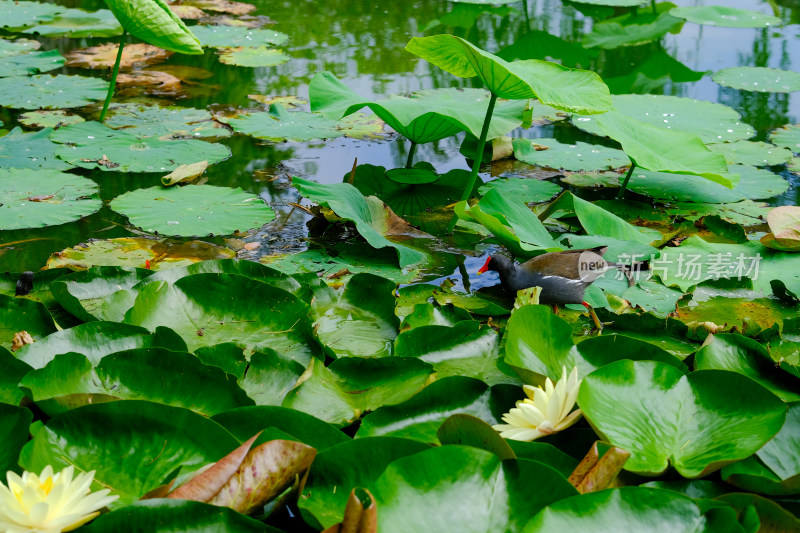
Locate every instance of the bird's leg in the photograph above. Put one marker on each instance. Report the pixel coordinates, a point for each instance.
(555, 309)
(594, 316)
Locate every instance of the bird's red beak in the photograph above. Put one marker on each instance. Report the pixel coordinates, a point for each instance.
(485, 266)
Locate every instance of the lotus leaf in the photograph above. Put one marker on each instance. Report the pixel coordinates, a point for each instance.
(662, 415)
(787, 136)
(728, 17)
(50, 92)
(19, 46)
(784, 221)
(77, 23)
(227, 36)
(578, 156)
(630, 30)
(16, 15)
(528, 190)
(35, 151)
(30, 63)
(145, 120)
(758, 79)
(754, 153)
(246, 56)
(154, 23)
(277, 124)
(48, 119)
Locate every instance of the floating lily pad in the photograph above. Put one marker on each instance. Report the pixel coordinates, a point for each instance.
(245, 56)
(578, 156)
(758, 79)
(727, 17)
(104, 56)
(79, 23)
(21, 314)
(278, 124)
(662, 415)
(233, 36)
(39, 198)
(50, 92)
(145, 120)
(746, 212)
(137, 252)
(193, 210)
(30, 63)
(30, 150)
(615, 3)
(48, 119)
(759, 154)
(100, 293)
(787, 136)
(713, 123)
(160, 515)
(527, 190)
(630, 30)
(18, 46)
(16, 15)
(93, 145)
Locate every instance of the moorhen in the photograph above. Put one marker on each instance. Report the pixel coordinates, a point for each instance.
(563, 276)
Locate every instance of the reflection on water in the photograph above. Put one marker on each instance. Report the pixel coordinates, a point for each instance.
(362, 41)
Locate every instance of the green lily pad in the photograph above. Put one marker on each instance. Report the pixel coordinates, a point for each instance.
(51, 92)
(77, 23)
(216, 308)
(713, 123)
(93, 145)
(436, 490)
(48, 119)
(578, 156)
(268, 377)
(39, 198)
(755, 153)
(95, 340)
(769, 513)
(246, 56)
(727, 17)
(137, 252)
(787, 136)
(13, 370)
(758, 79)
(626, 508)
(359, 319)
(154, 22)
(169, 515)
(149, 441)
(425, 116)
(29, 150)
(663, 416)
(71, 380)
(16, 15)
(193, 210)
(369, 217)
(145, 120)
(653, 297)
(227, 36)
(774, 469)
(341, 392)
(615, 3)
(355, 463)
(577, 91)
(633, 30)
(14, 422)
(21, 314)
(278, 124)
(31, 63)
(18, 46)
(746, 212)
(737, 353)
(528, 190)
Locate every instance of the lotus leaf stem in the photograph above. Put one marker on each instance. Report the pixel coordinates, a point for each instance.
(411, 150)
(476, 163)
(114, 73)
(625, 181)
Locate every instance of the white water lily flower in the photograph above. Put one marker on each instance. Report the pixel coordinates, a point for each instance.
(545, 410)
(49, 503)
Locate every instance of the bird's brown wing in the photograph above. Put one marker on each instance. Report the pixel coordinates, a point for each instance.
(565, 264)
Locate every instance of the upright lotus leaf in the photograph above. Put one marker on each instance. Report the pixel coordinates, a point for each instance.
(20, 314)
(207, 309)
(662, 416)
(775, 468)
(624, 509)
(35, 198)
(153, 22)
(359, 319)
(14, 422)
(461, 488)
(661, 149)
(578, 91)
(355, 463)
(347, 202)
(95, 340)
(598, 221)
(341, 392)
(424, 116)
(99, 293)
(165, 516)
(134, 446)
(784, 223)
(296, 424)
(193, 210)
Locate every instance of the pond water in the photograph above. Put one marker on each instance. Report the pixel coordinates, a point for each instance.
(362, 43)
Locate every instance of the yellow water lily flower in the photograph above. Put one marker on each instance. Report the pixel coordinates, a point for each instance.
(545, 410)
(49, 503)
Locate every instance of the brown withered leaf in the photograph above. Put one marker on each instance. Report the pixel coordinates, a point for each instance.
(40, 198)
(594, 472)
(264, 474)
(360, 515)
(150, 81)
(246, 21)
(187, 12)
(220, 6)
(21, 338)
(104, 56)
(204, 486)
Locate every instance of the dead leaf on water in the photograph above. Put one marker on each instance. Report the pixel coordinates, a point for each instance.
(246, 21)
(220, 6)
(104, 56)
(150, 81)
(289, 102)
(184, 173)
(187, 12)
